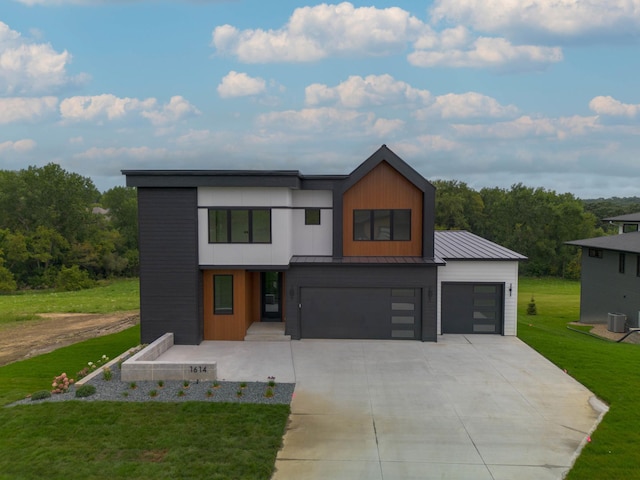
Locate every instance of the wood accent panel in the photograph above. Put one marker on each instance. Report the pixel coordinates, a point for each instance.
(229, 327)
(383, 188)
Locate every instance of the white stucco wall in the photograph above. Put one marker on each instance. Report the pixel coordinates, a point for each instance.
(289, 235)
(484, 271)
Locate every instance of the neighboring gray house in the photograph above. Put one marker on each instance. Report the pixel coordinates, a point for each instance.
(610, 280)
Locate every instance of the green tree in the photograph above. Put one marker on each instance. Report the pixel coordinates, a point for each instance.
(458, 207)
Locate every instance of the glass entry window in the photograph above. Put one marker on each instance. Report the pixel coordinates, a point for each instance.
(271, 296)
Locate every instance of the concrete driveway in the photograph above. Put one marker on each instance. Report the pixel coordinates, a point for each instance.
(468, 407)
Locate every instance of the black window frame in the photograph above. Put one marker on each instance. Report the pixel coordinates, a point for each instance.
(595, 252)
(637, 265)
(229, 230)
(217, 308)
(372, 214)
(629, 227)
(622, 260)
(309, 216)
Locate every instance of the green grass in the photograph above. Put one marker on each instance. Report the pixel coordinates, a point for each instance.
(111, 296)
(113, 440)
(608, 369)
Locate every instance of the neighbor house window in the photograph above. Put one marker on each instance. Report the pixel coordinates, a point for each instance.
(638, 266)
(621, 261)
(312, 216)
(223, 294)
(629, 227)
(240, 225)
(595, 252)
(382, 225)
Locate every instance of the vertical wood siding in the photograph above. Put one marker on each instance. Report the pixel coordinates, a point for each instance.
(383, 188)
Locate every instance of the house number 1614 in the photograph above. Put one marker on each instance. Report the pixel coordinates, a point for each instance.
(198, 369)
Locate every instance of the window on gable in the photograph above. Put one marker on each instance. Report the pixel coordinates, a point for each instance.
(312, 216)
(239, 225)
(382, 225)
(621, 262)
(223, 294)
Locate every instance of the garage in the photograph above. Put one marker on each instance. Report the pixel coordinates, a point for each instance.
(473, 308)
(363, 313)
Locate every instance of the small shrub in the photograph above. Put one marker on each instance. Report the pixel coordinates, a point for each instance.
(239, 393)
(243, 384)
(125, 394)
(269, 392)
(133, 385)
(181, 393)
(185, 384)
(153, 393)
(73, 278)
(209, 393)
(531, 307)
(107, 374)
(271, 381)
(161, 383)
(85, 391)
(216, 384)
(82, 373)
(40, 395)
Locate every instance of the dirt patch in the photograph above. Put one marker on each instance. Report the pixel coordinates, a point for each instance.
(600, 329)
(54, 330)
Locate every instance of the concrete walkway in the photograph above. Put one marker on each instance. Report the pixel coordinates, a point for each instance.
(469, 407)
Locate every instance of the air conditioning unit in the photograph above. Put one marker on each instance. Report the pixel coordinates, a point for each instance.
(616, 322)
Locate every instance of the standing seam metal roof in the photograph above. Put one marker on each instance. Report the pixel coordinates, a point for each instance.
(463, 245)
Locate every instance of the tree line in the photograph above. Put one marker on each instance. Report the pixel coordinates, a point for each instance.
(58, 230)
(532, 221)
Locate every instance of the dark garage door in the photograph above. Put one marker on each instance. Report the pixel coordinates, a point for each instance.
(367, 313)
(472, 307)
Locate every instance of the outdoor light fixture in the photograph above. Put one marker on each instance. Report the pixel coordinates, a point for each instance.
(510, 288)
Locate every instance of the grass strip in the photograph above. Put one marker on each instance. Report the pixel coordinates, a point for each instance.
(608, 369)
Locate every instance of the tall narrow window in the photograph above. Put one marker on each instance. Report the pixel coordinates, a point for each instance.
(382, 225)
(223, 294)
(234, 225)
(621, 262)
(638, 266)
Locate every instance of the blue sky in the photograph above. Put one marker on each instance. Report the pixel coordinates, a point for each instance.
(488, 92)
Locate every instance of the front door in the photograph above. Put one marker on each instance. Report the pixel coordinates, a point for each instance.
(271, 296)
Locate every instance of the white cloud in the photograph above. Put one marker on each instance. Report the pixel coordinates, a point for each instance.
(610, 106)
(19, 146)
(236, 84)
(28, 67)
(485, 52)
(384, 126)
(526, 127)
(313, 33)
(559, 18)
(177, 109)
(135, 153)
(18, 109)
(110, 107)
(373, 90)
(466, 105)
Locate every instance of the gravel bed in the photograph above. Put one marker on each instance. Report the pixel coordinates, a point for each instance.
(175, 391)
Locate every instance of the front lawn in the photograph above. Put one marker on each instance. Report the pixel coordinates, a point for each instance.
(608, 369)
(118, 440)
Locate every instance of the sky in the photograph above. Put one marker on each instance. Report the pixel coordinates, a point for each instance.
(487, 92)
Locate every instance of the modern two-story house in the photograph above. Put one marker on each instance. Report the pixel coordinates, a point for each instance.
(331, 256)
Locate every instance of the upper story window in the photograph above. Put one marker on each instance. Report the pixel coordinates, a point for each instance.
(312, 216)
(381, 225)
(622, 260)
(239, 225)
(629, 227)
(595, 252)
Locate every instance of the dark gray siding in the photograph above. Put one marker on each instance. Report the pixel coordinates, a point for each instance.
(170, 281)
(374, 276)
(605, 290)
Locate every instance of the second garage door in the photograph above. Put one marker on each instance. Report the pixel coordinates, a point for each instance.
(364, 313)
(472, 307)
